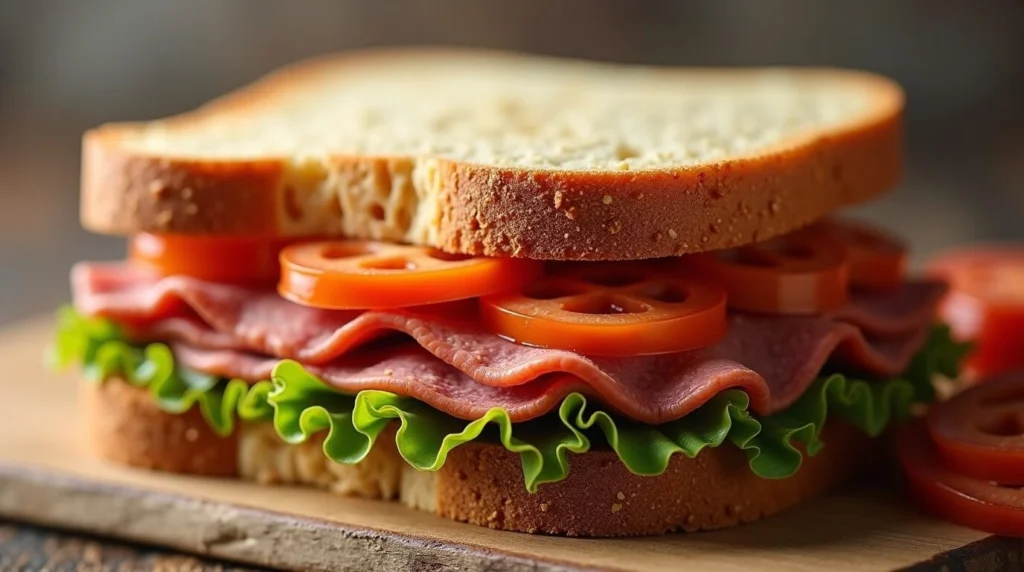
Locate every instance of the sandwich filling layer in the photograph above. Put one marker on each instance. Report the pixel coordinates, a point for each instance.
(247, 353)
(455, 366)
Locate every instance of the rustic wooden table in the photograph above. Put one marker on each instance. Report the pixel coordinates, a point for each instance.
(25, 548)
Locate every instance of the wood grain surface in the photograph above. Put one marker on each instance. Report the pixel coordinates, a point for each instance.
(26, 548)
(47, 478)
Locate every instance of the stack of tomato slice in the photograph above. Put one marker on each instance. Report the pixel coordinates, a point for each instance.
(965, 460)
(606, 308)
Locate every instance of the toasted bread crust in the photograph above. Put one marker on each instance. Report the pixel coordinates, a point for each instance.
(124, 424)
(480, 483)
(492, 210)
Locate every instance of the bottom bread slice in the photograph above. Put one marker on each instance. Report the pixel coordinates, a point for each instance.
(480, 483)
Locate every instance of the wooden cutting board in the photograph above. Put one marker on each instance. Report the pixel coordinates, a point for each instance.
(47, 477)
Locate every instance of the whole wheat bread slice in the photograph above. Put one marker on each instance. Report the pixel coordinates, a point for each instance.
(480, 483)
(507, 155)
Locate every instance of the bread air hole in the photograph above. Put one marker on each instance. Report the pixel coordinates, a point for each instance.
(404, 219)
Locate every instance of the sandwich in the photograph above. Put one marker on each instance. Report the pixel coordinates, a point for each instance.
(533, 294)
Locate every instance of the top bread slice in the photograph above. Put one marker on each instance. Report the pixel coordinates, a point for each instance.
(505, 155)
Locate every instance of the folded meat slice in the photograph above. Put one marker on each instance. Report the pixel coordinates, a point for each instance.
(894, 313)
(464, 371)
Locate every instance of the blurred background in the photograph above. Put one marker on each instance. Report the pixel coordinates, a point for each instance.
(67, 65)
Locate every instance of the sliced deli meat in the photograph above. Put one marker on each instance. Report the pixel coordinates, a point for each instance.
(462, 370)
(651, 389)
(893, 313)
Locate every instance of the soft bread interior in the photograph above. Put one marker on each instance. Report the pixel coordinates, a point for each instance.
(514, 111)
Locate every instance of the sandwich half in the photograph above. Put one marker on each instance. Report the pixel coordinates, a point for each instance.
(538, 295)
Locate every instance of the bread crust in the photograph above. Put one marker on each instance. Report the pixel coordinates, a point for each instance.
(122, 423)
(483, 485)
(480, 483)
(491, 210)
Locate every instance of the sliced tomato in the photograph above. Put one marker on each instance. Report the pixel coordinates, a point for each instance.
(877, 259)
(985, 304)
(364, 275)
(980, 431)
(955, 496)
(799, 273)
(239, 260)
(611, 309)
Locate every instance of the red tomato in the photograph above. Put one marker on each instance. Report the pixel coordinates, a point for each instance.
(611, 309)
(240, 260)
(799, 273)
(877, 259)
(986, 304)
(364, 275)
(980, 432)
(954, 496)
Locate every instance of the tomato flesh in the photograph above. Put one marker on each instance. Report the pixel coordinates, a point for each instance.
(985, 304)
(954, 496)
(980, 431)
(366, 275)
(611, 310)
(236, 260)
(877, 259)
(799, 273)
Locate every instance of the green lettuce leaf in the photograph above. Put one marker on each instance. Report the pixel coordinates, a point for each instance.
(99, 347)
(300, 405)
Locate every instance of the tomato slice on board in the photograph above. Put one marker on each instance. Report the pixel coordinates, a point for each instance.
(237, 260)
(799, 273)
(366, 275)
(611, 309)
(877, 259)
(980, 431)
(985, 304)
(954, 496)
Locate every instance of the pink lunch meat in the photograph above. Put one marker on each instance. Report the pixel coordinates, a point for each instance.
(464, 371)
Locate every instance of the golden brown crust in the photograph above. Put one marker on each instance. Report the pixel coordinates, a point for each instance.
(124, 424)
(498, 211)
(122, 192)
(480, 483)
(483, 484)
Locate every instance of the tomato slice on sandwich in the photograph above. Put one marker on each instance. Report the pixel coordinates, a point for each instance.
(799, 273)
(237, 260)
(365, 275)
(611, 309)
(877, 259)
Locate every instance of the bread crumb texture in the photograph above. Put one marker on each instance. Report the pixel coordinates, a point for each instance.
(533, 113)
(263, 457)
